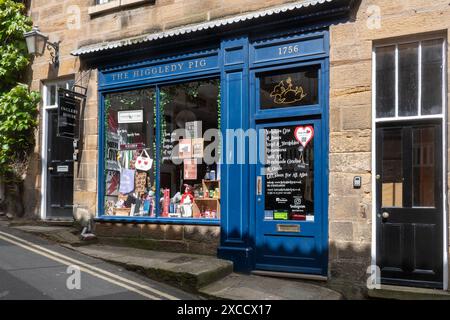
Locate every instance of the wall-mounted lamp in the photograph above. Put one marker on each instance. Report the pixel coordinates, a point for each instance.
(36, 43)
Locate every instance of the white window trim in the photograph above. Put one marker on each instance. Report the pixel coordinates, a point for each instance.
(442, 116)
(44, 138)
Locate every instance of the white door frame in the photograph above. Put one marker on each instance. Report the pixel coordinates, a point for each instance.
(44, 138)
(443, 118)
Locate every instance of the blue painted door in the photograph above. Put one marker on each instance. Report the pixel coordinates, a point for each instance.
(289, 198)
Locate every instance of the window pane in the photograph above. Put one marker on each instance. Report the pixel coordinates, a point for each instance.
(423, 167)
(392, 169)
(385, 82)
(129, 152)
(70, 84)
(289, 179)
(432, 62)
(288, 89)
(51, 95)
(408, 79)
(189, 176)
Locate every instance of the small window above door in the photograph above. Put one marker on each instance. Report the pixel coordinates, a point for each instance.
(51, 91)
(289, 88)
(409, 79)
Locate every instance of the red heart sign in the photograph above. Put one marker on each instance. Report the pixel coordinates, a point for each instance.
(304, 134)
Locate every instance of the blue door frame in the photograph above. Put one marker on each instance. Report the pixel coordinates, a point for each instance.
(237, 61)
(302, 251)
(239, 227)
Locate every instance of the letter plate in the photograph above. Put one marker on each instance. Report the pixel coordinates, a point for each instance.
(295, 228)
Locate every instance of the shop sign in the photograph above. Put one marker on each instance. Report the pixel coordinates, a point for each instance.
(161, 70)
(69, 106)
(130, 116)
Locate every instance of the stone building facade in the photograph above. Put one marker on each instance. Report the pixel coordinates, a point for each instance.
(353, 37)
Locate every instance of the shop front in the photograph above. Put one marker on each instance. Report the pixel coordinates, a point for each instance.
(232, 136)
(223, 131)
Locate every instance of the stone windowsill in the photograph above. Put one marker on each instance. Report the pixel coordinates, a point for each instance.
(113, 6)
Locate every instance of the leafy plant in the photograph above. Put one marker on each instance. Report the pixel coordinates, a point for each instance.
(18, 118)
(18, 111)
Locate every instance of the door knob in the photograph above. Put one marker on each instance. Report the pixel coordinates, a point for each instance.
(385, 215)
(50, 168)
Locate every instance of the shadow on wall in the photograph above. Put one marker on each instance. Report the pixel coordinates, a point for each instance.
(31, 195)
(348, 262)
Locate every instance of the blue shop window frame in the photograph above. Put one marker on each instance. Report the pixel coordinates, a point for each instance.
(160, 82)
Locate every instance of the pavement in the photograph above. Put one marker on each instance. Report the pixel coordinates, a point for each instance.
(204, 275)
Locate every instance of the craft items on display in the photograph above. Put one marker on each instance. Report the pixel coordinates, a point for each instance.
(126, 180)
(140, 182)
(112, 183)
(143, 162)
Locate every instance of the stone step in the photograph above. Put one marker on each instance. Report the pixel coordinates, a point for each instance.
(252, 287)
(408, 293)
(186, 271)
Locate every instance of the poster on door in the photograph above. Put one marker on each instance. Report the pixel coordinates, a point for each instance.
(289, 179)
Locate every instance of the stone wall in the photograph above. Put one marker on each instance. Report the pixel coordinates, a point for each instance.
(350, 210)
(166, 237)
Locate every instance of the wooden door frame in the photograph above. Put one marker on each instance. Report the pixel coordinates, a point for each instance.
(442, 117)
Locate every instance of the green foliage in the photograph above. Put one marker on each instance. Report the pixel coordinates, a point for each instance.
(18, 112)
(18, 118)
(13, 50)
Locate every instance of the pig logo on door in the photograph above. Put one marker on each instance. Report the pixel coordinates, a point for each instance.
(304, 134)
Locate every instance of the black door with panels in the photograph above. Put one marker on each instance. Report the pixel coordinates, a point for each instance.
(59, 172)
(409, 204)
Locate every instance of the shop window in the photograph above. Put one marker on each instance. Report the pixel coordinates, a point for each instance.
(409, 79)
(189, 176)
(183, 180)
(293, 88)
(129, 150)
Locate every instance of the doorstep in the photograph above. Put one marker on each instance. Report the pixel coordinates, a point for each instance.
(186, 271)
(408, 293)
(253, 287)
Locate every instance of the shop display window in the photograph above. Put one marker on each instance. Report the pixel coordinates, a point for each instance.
(189, 183)
(137, 164)
(129, 153)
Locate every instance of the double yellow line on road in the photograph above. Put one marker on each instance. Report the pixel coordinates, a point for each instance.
(141, 289)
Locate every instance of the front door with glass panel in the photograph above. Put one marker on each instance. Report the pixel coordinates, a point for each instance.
(409, 204)
(288, 198)
(59, 171)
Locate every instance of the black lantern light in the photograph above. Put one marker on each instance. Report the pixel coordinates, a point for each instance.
(36, 43)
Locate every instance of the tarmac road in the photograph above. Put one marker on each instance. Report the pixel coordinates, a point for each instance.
(34, 269)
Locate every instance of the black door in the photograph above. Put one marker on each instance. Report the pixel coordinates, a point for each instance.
(409, 204)
(60, 172)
